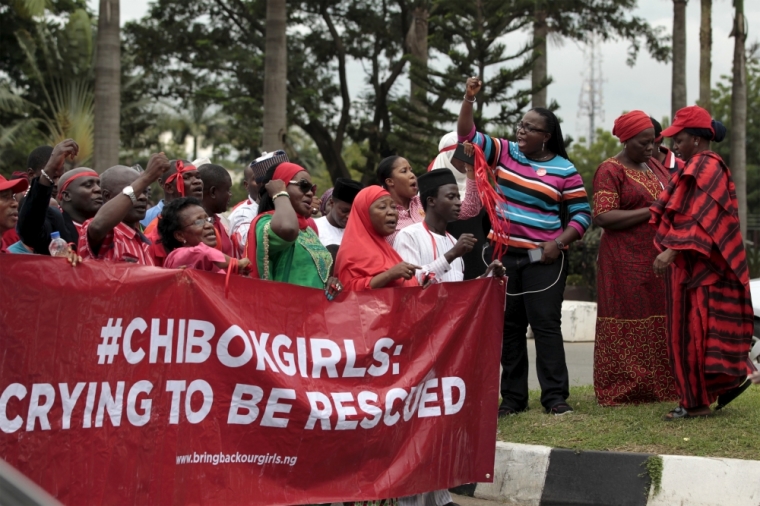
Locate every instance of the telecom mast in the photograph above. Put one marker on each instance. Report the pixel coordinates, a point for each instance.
(591, 100)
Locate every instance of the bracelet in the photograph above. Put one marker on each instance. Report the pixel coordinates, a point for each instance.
(47, 177)
(470, 101)
(281, 194)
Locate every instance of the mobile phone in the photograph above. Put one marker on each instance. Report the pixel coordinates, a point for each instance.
(459, 154)
(534, 255)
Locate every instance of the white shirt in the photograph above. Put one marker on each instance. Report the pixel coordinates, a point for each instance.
(329, 234)
(240, 221)
(416, 245)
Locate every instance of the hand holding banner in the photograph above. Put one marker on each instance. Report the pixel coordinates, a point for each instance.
(141, 385)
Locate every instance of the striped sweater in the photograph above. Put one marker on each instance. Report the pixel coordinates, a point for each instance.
(534, 201)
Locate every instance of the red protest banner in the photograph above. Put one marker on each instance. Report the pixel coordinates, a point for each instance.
(138, 385)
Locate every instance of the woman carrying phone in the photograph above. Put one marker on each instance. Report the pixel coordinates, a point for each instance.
(630, 350)
(538, 181)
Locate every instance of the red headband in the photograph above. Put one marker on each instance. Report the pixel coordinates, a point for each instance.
(88, 173)
(181, 169)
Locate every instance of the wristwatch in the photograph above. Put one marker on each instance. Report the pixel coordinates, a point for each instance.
(130, 192)
(560, 244)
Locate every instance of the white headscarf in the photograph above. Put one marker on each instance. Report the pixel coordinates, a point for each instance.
(443, 161)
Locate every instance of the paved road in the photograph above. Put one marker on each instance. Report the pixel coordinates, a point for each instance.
(580, 363)
(463, 500)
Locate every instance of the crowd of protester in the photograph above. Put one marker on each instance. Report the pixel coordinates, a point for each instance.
(674, 312)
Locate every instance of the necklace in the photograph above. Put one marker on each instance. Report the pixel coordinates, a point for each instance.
(435, 246)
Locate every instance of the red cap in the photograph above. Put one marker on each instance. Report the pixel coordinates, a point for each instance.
(692, 116)
(17, 185)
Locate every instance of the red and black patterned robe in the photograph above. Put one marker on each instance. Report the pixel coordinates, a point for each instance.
(709, 307)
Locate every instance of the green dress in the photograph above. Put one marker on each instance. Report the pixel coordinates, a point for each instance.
(304, 262)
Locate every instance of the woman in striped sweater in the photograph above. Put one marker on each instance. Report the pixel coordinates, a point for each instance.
(541, 187)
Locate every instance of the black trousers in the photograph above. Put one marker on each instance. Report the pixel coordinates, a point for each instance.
(543, 311)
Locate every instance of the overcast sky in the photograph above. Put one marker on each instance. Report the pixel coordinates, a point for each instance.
(645, 86)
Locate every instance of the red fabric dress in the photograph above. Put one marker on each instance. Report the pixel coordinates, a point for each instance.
(709, 307)
(630, 354)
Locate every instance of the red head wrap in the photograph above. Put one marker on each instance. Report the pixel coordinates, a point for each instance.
(181, 169)
(89, 173)
(631, 124)
(285, 172)
(364, 253)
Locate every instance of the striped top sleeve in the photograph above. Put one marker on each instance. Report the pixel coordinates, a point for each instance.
(535, 191)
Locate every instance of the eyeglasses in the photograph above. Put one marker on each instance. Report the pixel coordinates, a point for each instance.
(200, 222)
(529, 129)
(305, 186)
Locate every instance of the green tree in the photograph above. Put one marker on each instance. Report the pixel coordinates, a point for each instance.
(587, 158)
(466, 40)
(51, 99)
(721, 97)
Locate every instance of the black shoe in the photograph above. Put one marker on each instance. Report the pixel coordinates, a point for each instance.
(560, 409)
(505, 411)
(725, 398)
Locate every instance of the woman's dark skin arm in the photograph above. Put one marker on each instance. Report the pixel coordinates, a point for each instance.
(466, 120)
(284, 220)
(618, 219)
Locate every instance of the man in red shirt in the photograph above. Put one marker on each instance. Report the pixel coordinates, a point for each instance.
(113, 234)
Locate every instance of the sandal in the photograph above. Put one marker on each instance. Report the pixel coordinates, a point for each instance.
(725, 398)
(681, 413)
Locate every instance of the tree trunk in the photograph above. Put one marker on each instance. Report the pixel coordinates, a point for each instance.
(331, 150)
(418, 47)
(739, 114)
(678, 95)
(538, 76)
(705, 55)
(107, 87)
(275, 76)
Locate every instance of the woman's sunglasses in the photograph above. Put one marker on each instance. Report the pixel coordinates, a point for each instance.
(305, 186)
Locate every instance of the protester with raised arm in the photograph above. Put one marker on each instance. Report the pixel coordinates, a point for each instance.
(283, 244)
(79, 198)
(541, 186)
(113, 234)
(181, 171)
(245, 212)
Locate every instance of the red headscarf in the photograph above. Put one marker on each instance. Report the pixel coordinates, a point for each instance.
(181, 169)
(364, 253)
(631, 124)
(285, 172)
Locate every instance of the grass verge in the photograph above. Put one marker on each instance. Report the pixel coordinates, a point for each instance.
(732, 432)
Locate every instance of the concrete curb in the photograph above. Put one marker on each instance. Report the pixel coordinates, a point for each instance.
(529, 475)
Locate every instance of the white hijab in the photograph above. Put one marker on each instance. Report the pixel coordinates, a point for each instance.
(443, 161)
